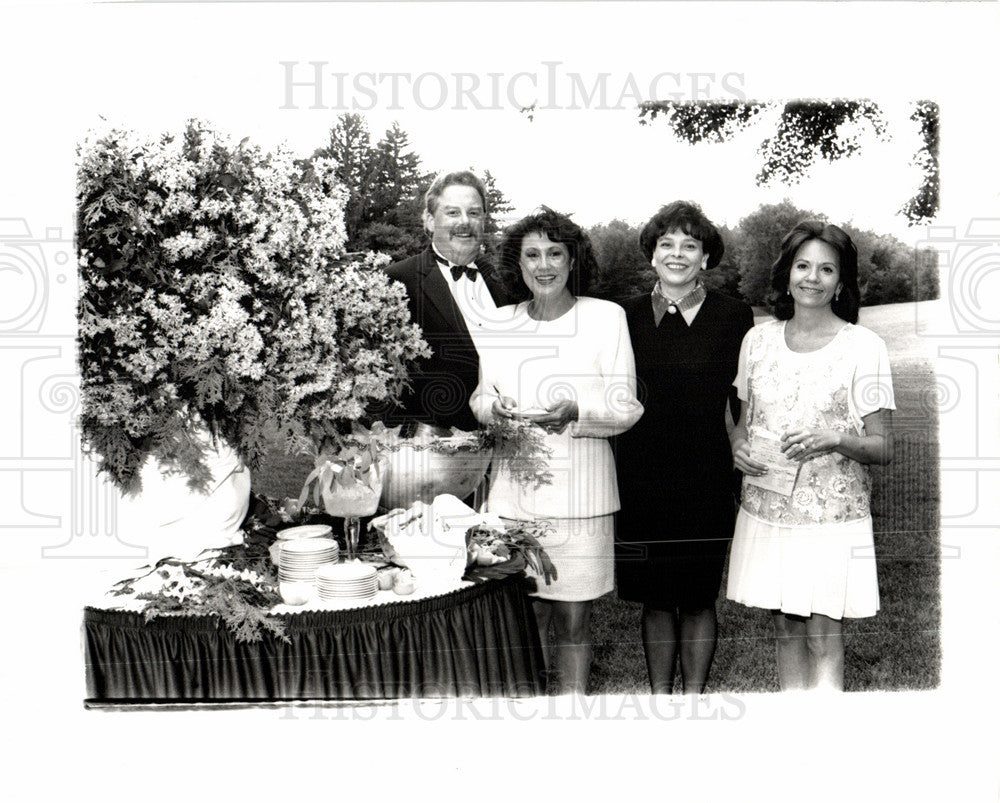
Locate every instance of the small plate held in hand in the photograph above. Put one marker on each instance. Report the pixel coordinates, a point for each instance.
(529, 412)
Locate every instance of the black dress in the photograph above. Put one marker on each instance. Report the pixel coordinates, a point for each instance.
(675, 467)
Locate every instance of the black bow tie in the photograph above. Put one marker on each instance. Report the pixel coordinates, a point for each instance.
(458, 270)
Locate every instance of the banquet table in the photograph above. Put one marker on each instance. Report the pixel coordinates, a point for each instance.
(480, 641)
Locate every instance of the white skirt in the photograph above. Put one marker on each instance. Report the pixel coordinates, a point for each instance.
(582, 550)
(825, 568)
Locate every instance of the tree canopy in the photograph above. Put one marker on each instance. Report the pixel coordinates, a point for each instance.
(889, 271)
(807, 131)
(384, 181)
(387, 184)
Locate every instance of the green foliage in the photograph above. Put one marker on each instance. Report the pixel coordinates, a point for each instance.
(757, 242)
(498, 208)
(702, 121)
(516, 546)
(927, 284)
(623, 270)
(807, 131)
(522, 445)
(497, 204)
(725, 277)
(810, 130)
(213, 587)
(923, 206)
(385, 187)
(215, 304)
(889, 271)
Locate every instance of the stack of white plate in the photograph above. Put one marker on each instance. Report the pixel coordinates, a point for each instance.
(347, 581)
(294, 533)
(299, 559)
(304, 531)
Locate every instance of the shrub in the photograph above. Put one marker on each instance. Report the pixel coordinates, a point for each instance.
(213, 294)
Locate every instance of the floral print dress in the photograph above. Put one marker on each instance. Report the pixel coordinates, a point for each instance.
(811, 551)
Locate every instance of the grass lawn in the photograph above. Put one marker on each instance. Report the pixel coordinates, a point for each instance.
(900, 648)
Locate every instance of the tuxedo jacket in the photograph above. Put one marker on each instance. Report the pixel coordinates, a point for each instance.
(442, 385)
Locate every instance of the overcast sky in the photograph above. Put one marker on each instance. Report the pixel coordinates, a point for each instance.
(250, 69)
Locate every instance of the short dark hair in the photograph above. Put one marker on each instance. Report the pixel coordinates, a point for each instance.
(559, 229)
(846, 306)
(688, 217)
(444, 180)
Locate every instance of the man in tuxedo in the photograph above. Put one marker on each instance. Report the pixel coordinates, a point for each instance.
(453, 299)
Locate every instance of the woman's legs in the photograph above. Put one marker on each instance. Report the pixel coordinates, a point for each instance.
(810, 652)
(568, 656)
(693, 632)
(698, 637)
(659, 641)
(543, 615)
(793, 655)
(825, 642)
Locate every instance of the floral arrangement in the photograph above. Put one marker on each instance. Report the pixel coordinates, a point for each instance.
(351, 483)
(215, 295)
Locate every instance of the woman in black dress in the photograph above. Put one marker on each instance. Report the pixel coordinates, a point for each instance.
(675, 467)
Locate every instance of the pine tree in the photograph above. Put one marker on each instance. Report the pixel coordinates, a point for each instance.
(387, 186)
(350, 146)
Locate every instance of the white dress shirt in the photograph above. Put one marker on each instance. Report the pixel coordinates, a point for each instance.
(474, 301)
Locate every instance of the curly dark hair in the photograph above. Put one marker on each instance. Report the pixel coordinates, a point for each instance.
(688, 217)
(559, 229)
(846, 306)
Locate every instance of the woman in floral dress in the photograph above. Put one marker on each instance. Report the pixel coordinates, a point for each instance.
(817, 395)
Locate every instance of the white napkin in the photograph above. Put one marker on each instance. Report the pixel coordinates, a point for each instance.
(430, 539)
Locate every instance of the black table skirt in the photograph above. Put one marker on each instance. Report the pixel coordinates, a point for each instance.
(478, 641)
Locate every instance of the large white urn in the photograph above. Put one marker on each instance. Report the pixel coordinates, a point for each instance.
(430, 464)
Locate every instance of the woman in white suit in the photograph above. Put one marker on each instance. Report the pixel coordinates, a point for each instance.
(564, 362)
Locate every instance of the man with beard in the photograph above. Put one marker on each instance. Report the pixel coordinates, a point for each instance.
(453, 300)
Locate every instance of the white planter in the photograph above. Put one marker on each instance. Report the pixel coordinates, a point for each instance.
(167, 518)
